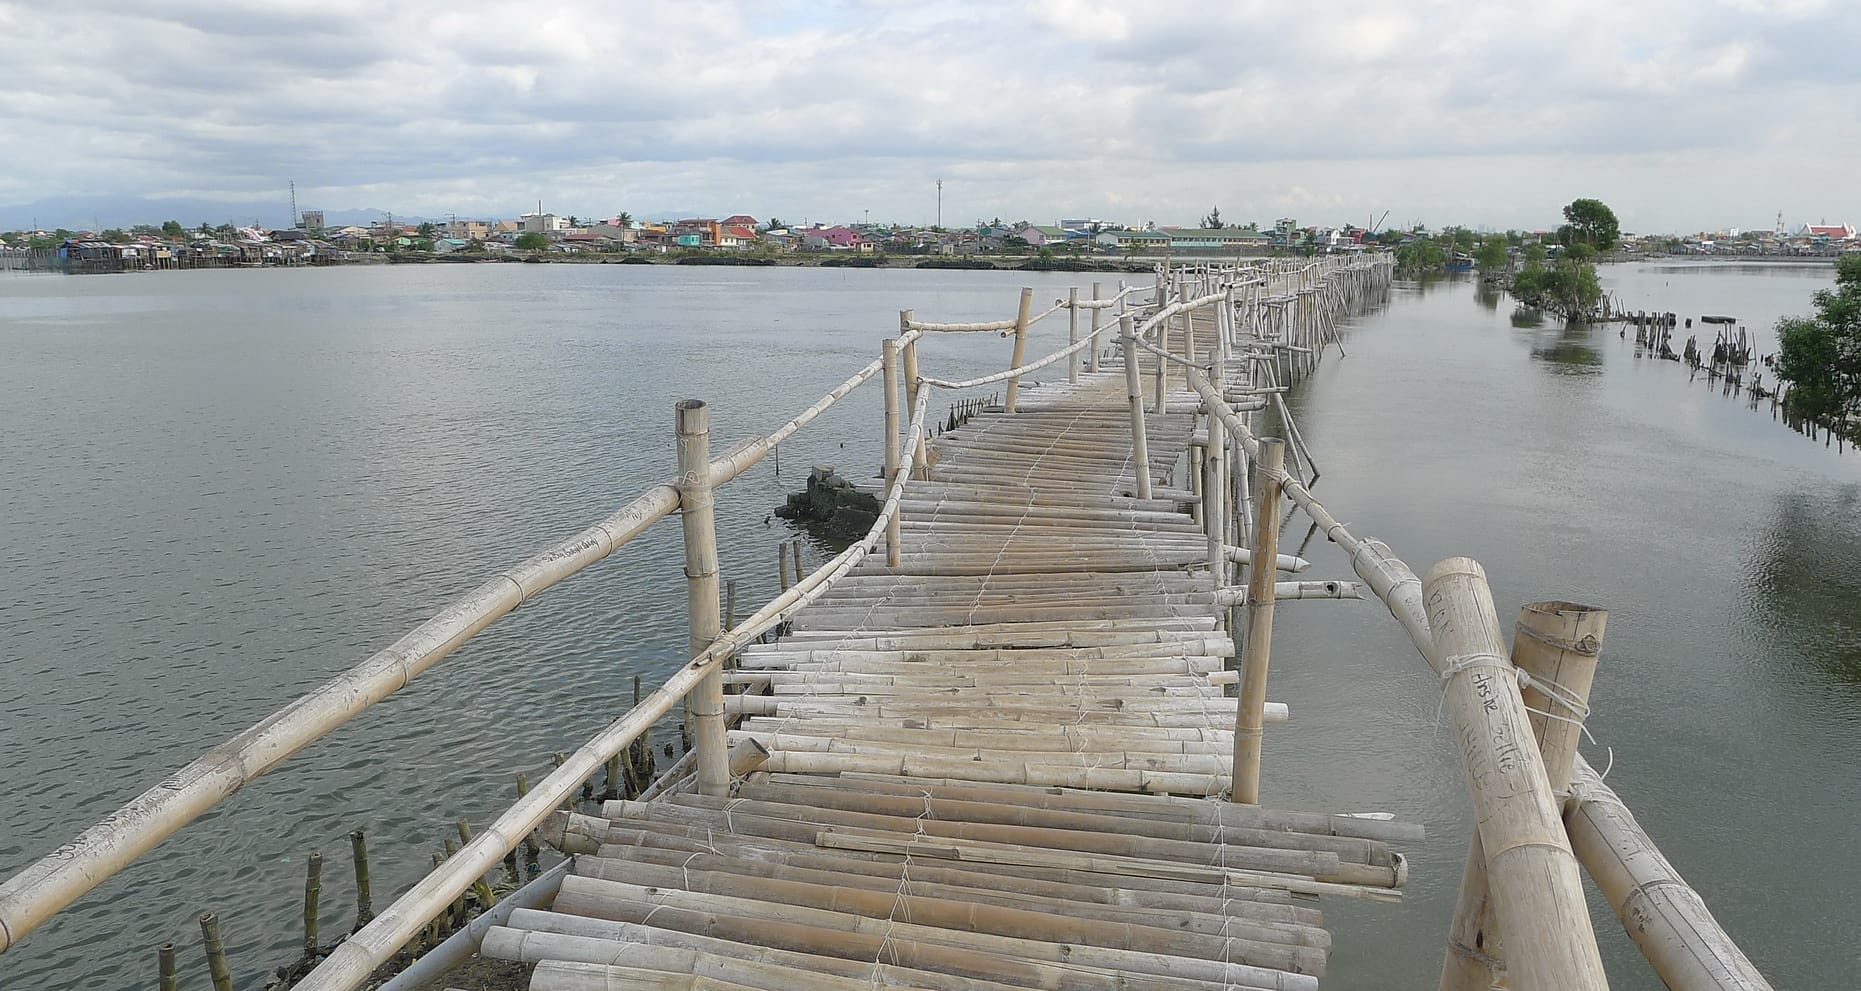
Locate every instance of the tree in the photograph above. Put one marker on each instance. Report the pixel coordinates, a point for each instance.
(115, 236)
(1568, 287)
(1492, 256)
(1820, 356)
(1421, 255)
(1589, 222)
(428, 230)
(173, 229)
(1212, 222)
(531, 241)
(204, 228)
(624, 220)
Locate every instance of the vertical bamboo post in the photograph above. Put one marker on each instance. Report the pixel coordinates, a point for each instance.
(1020, 348)
(1250, 719)
(1555, 643)
(794, 550)
(164, 962)
(313, 890)
(698, 512)
(1189, 351)
(1532, 880)
(364, 905)
(1072, 334)
(1214, 499)
(894, 539)
(781, 564)
(730, 604)
(920, 463)
(1163, 364)
(1134, 390)
(217, 968)
(1092, 353)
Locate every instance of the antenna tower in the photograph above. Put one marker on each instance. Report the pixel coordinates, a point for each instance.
(293, 203)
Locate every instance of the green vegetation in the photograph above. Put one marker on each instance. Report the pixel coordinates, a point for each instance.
(1212, 222)
(1421, 255)
(1492, 257)
(1568, 287)
(531, 241)
(1589, 222)
(1820, 356)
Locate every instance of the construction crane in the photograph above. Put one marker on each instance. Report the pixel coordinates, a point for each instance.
(1376, 222)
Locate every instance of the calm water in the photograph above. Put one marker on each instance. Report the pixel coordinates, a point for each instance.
(222, 487)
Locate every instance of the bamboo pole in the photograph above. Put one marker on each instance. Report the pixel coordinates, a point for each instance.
(1555, 644)
(706, 702)
(1134, 391)
(164, 956)
(912, 385)
(313, 889)
(1161, 375)
(794, 552)
(217, 968)
(1532, 879)
(1250, 719)
(56, 880)
(1020, 349)
(1092, 353)
(1665, 917)
(1072, 334)
(352, 960)
(894, 541)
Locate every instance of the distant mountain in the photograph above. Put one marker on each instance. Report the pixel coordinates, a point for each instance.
(103, 212)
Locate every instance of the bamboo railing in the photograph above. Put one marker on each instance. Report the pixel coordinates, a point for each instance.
(1274, 315)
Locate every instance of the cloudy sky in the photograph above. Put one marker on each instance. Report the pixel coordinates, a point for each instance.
(1683, 114)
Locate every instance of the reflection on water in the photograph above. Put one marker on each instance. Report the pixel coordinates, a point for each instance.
(1525, 316)
(1568, 350)
(1488, 296)
(1805, 583)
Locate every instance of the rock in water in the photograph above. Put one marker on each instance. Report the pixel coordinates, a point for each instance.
(831, 506)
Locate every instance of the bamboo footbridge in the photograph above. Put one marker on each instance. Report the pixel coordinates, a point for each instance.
(1011, 738)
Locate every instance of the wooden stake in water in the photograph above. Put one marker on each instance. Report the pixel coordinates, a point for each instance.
(313, 890)
(364, 907)
(217, 968)
(164, 957)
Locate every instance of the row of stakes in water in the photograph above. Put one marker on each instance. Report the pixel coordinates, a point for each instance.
(626, 776)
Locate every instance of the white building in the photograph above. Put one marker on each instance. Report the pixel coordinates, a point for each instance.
(543, 223)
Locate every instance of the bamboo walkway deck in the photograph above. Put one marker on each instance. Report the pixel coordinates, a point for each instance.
(989, 766)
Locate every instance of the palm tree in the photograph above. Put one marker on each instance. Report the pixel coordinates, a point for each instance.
(624, 220)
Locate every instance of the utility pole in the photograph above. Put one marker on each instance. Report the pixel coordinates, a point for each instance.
(940, 204)
(293, 202)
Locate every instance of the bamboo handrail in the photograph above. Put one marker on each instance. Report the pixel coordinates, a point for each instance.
(354, 959)
(1687, 931)
(987, 325)
(48, 885)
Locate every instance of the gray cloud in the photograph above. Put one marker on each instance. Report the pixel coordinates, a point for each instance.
(1446, 111)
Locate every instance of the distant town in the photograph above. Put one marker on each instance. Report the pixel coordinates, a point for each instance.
(542, 236)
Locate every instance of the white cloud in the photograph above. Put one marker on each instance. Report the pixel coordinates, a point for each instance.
(1449, 111)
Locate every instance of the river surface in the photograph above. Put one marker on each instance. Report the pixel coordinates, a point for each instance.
(220, 488)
